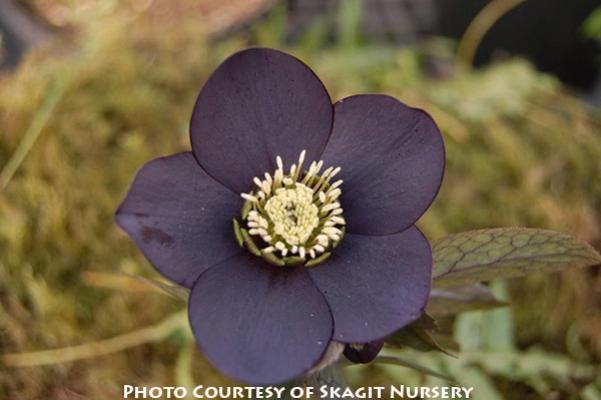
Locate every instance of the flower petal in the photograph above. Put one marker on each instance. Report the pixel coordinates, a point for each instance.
(179, 217)
(375, 285)
(258, 104)
(258, 323)
(392, 160)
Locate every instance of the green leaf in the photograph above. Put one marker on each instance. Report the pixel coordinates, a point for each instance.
(425, 322)
(416, 336)
(486, 330)
(487, 254)
(592, 25)
(531, 365)
(535, 367)
(457, 299)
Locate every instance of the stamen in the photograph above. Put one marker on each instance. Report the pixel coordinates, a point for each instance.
(338, 220)
(249, 197)
(334, 194)
(293, 218)
(302, 252)
(335, 185)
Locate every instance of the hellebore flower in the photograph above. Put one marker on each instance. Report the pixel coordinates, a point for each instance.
(292, 219)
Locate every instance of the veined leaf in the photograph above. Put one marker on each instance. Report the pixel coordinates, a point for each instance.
(457, 299)
(487, 254)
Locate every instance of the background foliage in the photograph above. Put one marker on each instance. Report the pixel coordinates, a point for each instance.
(118, 91)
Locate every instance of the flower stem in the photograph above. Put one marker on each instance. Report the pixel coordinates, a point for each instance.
(39, 121)
(183, 366)
(479, 26)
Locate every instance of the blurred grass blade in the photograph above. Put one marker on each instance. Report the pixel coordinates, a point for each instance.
(154, 333)
(173, 290)
(480, 25)
(349, 22)
(488, 254)
(133, 284)
(183, 366)
(393, 360)
(40, 119)
(457, 299)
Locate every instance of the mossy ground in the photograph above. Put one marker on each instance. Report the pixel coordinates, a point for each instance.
(521, 151)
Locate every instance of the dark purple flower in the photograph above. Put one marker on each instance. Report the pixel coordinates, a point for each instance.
(309, 259)
(362, 353)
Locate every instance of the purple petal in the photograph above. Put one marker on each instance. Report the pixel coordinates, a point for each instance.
(259, 103)
(258, 323)
(375, 285)
(363, 353)
(392, 159)
(179, 217)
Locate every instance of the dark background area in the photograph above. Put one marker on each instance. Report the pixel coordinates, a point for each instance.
(548, 32)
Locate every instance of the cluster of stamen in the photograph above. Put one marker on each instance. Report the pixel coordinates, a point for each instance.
(293, 218)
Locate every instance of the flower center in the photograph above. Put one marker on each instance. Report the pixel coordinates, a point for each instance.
(293, 218)
(293, 214)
